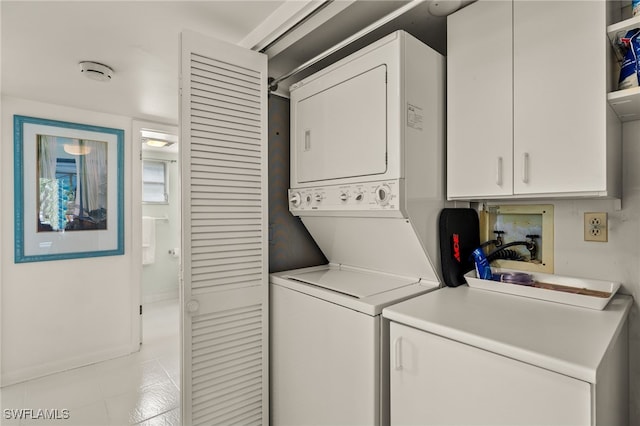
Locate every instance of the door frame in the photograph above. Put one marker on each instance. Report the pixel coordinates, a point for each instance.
(136, 221)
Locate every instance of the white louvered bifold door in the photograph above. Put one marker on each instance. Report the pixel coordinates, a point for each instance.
(223, 119)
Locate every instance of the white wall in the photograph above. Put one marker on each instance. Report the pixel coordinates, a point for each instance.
(62, 314)
(160, 279)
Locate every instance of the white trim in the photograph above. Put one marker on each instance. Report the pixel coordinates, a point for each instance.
(283, 18)
(136, 223)
(41, 370)
(319, 17)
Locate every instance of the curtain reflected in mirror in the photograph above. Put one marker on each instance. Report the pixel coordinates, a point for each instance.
(72, 184)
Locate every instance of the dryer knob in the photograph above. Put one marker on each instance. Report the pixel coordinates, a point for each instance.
(383, 193)
(295, 199)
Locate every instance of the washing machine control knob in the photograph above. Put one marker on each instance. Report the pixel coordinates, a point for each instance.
(318, 197)
(295, 199)
(383, 194)
(344, 196)
(359, 196)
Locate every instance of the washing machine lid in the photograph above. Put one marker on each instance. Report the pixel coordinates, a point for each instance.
(358, 284)
(387, 245)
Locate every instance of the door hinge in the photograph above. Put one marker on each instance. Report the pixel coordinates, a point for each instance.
(140, 309)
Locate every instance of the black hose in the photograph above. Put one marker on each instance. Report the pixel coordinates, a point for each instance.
(507, 254)
(494, 254)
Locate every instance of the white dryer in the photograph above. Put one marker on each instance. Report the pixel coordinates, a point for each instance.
(367, 181)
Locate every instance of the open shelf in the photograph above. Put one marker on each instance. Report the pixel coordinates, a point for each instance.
(617, 30)
(626, 103)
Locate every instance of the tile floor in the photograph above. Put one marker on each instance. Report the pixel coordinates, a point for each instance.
(138, 389)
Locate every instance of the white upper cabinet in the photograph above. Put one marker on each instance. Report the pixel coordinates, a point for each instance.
(479, 107)
(527, 109)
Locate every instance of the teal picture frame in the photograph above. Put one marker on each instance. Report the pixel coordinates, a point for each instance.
(68, 190)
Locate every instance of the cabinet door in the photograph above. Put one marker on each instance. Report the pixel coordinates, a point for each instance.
(479, 100)
(436, 381)
(559, 92)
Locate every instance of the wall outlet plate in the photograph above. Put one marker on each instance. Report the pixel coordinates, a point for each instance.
(596, 227)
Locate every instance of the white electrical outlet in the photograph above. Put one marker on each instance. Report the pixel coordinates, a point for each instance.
(595, 227)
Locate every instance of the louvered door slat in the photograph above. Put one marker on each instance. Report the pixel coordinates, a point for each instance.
(223, 364)
(227, 122)
(207, 284)
(222, 171)
(232, 416)
(233, 224)
(215, 325)
(202, 182)
(219, 165)
(224, 407)
(229, 373)
(223, 123)
(233, 351)
(244, 384)
(238, 373)
(213, 112)
(231, 154)
(238, 72)
(227, 196)
(225, 132)
(226, 203)
(222, 252)
(226, 279)
(226, 189)
(211, 81)
(205, 103)
(227, 261)
(228, 270)
(204, 135)
(222, 94)
(219, 71)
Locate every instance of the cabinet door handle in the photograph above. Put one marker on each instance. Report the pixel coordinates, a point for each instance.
(525, 167)
(307, 140)
(397, 344)
(499, 172)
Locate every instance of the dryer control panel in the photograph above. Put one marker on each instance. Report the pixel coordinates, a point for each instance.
(381, 198)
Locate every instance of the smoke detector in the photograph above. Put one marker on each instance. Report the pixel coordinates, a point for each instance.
(96, 71)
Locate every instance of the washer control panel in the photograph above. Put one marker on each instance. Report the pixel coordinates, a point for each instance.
(368, 196)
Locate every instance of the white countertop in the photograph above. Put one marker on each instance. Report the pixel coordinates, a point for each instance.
(566, 339)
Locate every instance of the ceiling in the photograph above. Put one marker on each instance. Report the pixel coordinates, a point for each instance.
(43, 42)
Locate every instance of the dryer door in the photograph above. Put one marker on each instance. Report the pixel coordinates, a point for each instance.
(341, 131)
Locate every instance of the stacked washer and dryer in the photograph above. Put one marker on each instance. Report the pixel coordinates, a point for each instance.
(367, 180)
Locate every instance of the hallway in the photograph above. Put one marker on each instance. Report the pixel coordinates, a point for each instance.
(141, 388)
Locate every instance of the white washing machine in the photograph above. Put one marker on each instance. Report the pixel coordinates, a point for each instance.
(329, 344)
(367, 180)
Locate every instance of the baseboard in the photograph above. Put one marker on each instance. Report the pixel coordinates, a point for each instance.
(162, 295)
(37, 371)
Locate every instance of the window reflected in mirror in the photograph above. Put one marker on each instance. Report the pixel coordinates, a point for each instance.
(72, 190)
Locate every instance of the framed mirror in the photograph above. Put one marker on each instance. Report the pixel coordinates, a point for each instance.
(69, 195)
